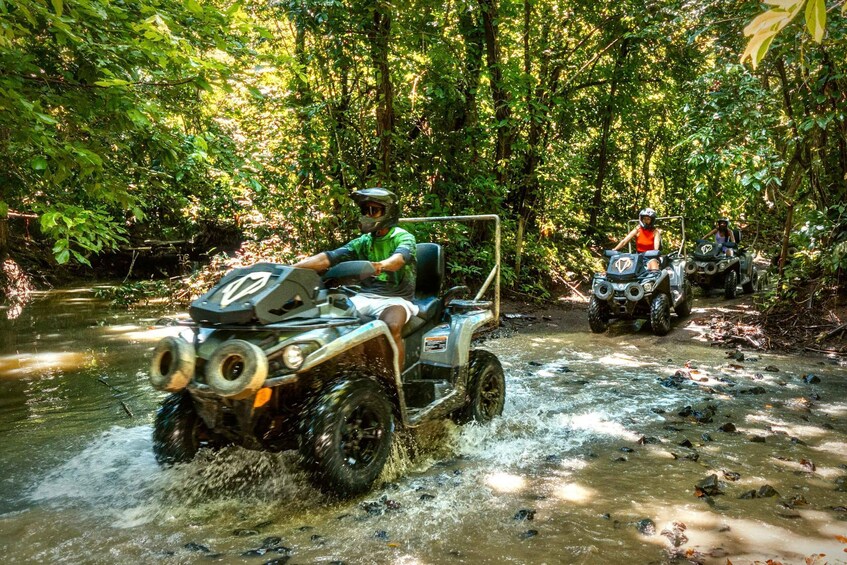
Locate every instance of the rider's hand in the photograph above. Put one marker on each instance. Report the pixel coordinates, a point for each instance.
(377, 267)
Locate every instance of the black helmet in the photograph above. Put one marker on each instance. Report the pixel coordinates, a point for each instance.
(379, 197)
(650, 213)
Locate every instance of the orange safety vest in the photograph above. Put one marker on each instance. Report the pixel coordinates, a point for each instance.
(645, 240)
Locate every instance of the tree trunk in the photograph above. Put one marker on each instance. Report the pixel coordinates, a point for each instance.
(603, 155)
(379, 36)
(499, 94)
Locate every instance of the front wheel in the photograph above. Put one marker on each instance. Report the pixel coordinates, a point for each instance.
(730, 285)
(599, 315)
(178, 431)
(486, 387)
(684, 308)
(750, 286)
(348, 436)
(660, 314)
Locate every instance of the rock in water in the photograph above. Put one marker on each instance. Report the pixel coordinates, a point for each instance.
(766, 491)
(525, 514)
(646, 526)
(710, 486)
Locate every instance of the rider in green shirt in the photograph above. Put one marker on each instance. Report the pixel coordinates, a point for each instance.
(391, 249)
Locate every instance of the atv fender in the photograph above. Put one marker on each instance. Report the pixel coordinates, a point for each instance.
(663, 284)
(450, 345)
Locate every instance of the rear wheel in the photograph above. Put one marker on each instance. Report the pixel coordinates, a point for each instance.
(684, 308)
(660, 314)
(599, 315)
(348, 436)
(179, 432)
(486, 387)
(730, 285)
(750, 286)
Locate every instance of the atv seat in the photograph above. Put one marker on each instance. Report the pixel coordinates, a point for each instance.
(430, 276)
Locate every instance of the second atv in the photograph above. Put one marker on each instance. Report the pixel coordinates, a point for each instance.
(630, 291)
(713, 269)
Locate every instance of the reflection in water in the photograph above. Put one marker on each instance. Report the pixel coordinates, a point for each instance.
(591, 443)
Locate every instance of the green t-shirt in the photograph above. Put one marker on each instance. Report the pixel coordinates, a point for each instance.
(369, 248)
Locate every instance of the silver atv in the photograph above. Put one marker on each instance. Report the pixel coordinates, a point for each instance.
(629, 291)
(278, 358)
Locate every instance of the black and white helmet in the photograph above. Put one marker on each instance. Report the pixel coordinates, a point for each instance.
(647, 213)
(369, 198)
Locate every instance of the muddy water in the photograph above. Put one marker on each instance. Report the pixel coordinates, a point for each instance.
(589, 463)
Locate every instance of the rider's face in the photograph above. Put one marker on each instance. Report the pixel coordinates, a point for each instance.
(372, 210)
(646, 220)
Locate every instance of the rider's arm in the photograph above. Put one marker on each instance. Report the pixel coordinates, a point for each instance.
(731, 236)
(625, 240)
(393, 263)
(710, 233)
(657, 241)
(319, 262)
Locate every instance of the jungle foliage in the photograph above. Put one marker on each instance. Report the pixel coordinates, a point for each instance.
(178, 119)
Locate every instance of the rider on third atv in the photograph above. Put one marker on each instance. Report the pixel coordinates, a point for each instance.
(391, 249)
(722, 235)
(647, 236)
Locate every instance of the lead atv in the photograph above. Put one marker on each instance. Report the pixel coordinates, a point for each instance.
(629, 291)
(712, 268)
(278, 358)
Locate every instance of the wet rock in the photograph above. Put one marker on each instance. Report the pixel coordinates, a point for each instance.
(797, 441)
(524, 514)
(811, 379)
(692, 457)
(729, 428)
(766, 491)
(685, 412)
(672, 428)
(798, 500)
(686, 443)
(706, 437)
(278, 561)
(307, 528)
(757, 439)
(426, 496)
(563, 370)
(243, 533)
(772, 369)
(657, 410)
(808, 465)
(606, 516)
(703, 417)
(381, 535)
(724, 528)
(841, 484)
(191, 546)
(814, 396)
(271, 541)
(373, 508)
(758, 377)
(753, 390)
(645, 440)
(671, 382)
(827, 426)
(621, 459)
(838, 508)
(264, 524)
(646, 527)
(535, 364)
(731, 475)
(675, 534)
(627, 449)
(737, 355)
(709, 486)
(528, 534)
(315, 537)
(750, 494)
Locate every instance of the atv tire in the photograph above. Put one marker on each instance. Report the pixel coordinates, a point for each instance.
(660, 314)
(178, 431)
(348, 436)
(684, 309)
(730, 285)
(750, 286)
(486, 388)
(599, 315)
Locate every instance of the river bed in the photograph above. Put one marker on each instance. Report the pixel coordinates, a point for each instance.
(604, 454)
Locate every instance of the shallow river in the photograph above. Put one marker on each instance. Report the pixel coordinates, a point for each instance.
(595, 460)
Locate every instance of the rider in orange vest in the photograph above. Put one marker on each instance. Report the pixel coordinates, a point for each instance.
(646, 234)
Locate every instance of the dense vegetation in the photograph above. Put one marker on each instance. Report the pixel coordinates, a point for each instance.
(199, 121)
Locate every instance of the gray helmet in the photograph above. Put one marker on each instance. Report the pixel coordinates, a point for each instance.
(379, 197)
(650, 213)
(719, 221)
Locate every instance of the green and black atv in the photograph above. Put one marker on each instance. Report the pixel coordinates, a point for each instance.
(277, 358)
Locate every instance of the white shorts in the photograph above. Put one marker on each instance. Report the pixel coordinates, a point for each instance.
(374, 305)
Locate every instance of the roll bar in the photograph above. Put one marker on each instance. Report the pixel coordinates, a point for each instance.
(494, 275)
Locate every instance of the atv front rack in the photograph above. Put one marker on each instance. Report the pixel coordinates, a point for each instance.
(307, 324)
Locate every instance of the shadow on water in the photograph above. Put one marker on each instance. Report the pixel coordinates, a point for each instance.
(596, 459)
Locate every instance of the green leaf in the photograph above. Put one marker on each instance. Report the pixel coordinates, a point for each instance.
(112, 82)
(39, 163)
(4, 209)
(194, 7)
(816, 18)
(57, 6)
(63, 257)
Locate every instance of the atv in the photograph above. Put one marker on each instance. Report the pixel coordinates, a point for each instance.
(277, 358)
(628, 290)
(712, 268)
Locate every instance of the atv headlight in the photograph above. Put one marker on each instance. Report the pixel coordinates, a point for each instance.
(648, 286)
(293, 357)
(722, 265)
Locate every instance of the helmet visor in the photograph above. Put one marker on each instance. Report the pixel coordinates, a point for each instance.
(372, 209)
